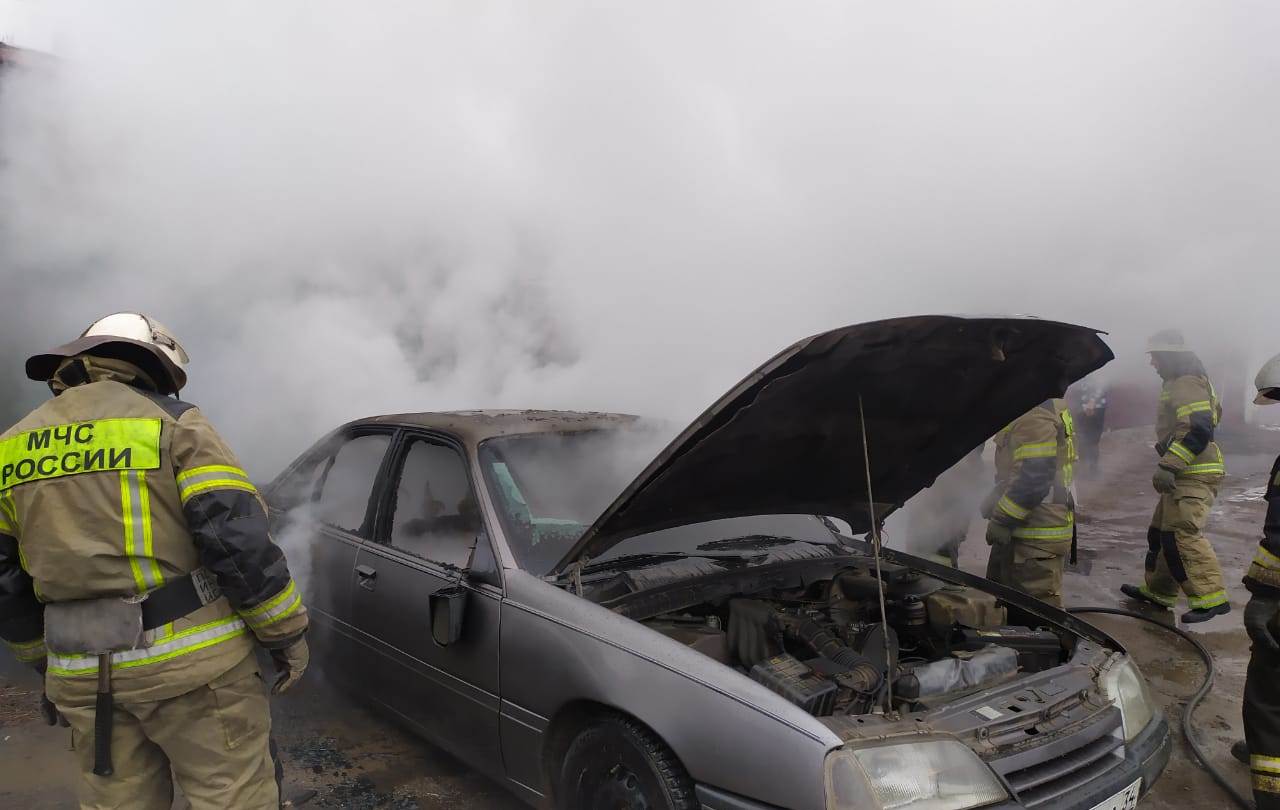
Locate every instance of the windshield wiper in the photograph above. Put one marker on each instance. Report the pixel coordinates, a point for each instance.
(752, 541)
(636, 560)
(632, 561)
(748, 549)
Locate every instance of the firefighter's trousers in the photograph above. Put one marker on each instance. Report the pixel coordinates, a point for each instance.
(1262, 727)
(1034, 567)
(1178, 555)
(213, 740)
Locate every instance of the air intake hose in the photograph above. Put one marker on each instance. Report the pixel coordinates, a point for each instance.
(863, 675)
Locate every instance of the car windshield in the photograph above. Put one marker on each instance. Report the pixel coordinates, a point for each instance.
(550, 487)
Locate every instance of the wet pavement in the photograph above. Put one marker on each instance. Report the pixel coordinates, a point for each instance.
(353, 758)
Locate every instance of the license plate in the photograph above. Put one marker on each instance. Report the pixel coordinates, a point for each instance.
(1126, 799)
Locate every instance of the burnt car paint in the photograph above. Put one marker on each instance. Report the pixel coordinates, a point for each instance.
(743, 744)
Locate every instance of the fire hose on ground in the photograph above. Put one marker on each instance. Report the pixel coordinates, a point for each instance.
(1193, 703)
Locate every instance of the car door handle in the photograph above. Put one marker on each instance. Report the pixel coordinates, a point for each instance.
(366, 576)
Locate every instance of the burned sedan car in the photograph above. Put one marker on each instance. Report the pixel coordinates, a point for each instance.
(717, 631)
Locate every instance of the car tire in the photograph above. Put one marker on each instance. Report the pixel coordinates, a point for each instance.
(617, 763)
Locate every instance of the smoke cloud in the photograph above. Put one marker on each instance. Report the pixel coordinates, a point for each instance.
(347, 210)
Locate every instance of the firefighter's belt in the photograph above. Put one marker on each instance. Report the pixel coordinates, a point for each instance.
(116, 624)
(178, 598)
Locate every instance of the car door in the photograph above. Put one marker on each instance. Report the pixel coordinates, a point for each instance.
(428, 525)
(323, 510)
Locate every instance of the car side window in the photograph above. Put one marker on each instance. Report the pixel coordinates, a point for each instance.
(299, 487)
(434, 514)
(347, 482)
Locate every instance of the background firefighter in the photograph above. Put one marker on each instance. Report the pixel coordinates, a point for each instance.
(1261, 687)
(114, 489)
(1089, 409)
(1031, 509)
(1187, 477)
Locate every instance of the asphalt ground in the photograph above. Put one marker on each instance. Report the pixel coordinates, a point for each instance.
(354, 758)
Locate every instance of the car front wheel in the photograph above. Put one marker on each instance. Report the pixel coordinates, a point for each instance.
(615, 763)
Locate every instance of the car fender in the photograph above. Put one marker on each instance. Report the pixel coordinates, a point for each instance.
(559, 650)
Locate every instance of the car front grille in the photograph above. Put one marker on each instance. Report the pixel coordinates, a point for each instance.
(1064, 766)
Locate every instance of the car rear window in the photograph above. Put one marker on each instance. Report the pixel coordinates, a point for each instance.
(343, 499)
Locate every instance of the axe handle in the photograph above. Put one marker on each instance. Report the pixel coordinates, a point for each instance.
(102, 716)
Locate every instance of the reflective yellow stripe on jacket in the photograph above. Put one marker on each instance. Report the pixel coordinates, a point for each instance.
(135, 514)
(1216, 467)
(1047, 532)
(274, 609)
(1069, 456)
(27, 651)
(1012, 509)
(1266, 560)
(214, 476)
(182, 643)
(1036, 450)
(1195, 407)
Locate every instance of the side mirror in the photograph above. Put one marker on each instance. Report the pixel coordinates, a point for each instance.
(448, 606)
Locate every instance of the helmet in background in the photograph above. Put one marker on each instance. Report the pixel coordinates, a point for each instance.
(1268, 382)
(1167, 340)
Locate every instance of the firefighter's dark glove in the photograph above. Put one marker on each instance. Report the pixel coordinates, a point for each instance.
(290, 663)
(1163, 480)
(989, 503)
(50, 712)
(999, 534)
(1258, 613)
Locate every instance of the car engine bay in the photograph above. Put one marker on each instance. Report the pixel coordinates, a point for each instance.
(823, 646)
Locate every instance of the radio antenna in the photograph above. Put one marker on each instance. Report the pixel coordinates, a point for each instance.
(875, 546)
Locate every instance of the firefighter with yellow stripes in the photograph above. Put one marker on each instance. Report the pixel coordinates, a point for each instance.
(1031, 510)
(137, 573)
(1187, 477)
(1262, 621)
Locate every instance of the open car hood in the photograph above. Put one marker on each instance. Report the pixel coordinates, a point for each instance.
(787, 439)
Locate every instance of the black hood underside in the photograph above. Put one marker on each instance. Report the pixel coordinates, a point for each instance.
(788, 438)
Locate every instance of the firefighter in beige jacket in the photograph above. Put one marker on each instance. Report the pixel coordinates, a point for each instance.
(115, 490)
(1031, 509)
(1189, 470)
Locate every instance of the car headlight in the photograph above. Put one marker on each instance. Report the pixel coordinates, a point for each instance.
(1124, 685)
(926, 775)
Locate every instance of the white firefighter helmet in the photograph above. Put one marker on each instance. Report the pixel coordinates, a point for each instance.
(1268, 382)
(1167, 340)
(121, 335)
(143, 329)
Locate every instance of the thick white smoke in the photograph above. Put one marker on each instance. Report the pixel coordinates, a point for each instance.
(357, 208)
